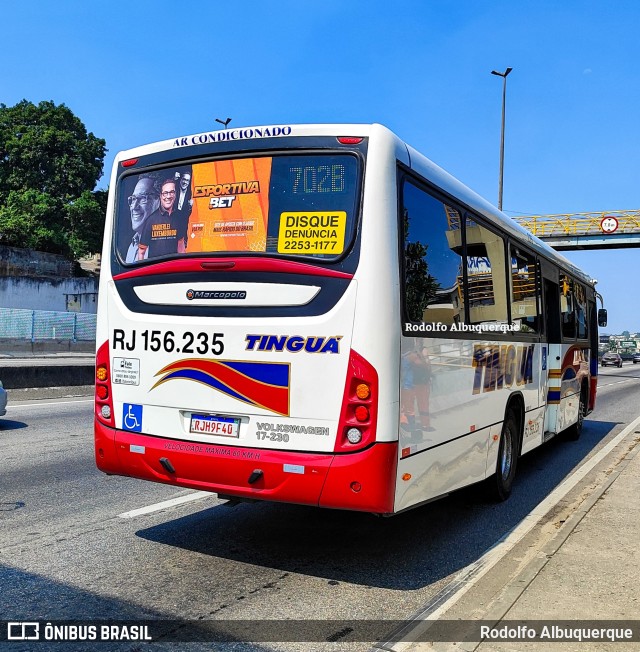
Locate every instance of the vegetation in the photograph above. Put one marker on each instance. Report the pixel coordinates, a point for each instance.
(49, 166)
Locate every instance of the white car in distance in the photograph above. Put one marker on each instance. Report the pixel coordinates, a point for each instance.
(3, 400)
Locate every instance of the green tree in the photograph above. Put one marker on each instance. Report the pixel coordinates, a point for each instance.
(49, 166)
(32, 219)
(86, 222)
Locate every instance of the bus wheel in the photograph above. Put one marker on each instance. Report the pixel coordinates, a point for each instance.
(500, 484)
(573, 433)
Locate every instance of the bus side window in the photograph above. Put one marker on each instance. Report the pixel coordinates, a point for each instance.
(567, 311)
(432, 258)
(486, 277)
(581, 311)
(524, 291)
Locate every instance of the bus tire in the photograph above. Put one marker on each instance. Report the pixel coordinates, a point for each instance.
(501, 482)
(573, 432)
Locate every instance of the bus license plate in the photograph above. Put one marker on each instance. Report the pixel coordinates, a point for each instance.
(209, 424)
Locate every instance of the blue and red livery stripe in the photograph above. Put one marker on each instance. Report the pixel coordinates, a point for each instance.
(261, 384)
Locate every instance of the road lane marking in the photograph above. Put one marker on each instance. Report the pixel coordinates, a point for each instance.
(21, 404)
(198, 495)
(618, 382)
(471, 574)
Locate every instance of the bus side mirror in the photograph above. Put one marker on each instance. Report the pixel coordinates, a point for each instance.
(602, 317)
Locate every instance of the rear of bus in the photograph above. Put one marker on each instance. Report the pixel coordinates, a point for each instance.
(246, 341)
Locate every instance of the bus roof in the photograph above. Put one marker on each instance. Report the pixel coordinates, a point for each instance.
(416, 161)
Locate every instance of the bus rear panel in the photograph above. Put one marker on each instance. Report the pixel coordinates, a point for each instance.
(226, 321)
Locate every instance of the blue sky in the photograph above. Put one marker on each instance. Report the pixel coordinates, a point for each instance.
(137, 72)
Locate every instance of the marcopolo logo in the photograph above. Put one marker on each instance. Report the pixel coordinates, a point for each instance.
(216, 294)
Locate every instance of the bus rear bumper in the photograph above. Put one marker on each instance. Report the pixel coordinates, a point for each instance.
(362, 481)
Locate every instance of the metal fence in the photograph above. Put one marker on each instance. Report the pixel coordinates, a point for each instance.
(42, 325)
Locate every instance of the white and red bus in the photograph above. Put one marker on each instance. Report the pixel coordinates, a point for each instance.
(318, 314)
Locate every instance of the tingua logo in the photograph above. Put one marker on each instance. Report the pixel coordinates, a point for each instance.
(216, 294)
(293, 343)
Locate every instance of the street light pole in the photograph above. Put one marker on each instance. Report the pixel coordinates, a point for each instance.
(504, 102)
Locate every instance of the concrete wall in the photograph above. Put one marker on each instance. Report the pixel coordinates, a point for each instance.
(38, 293)
(25, 364)
(34, 280)
(45, 374)
(25, 349)
(27, 262)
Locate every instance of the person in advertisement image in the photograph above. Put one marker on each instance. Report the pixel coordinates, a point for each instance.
(184, 200)
(143, 202)
(165, 230)
(415, 379)
(184, 203)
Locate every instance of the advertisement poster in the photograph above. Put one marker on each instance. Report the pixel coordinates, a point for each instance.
(230, 206)
(301, 205)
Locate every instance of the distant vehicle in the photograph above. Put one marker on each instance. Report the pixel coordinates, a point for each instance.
(3, 400)
(636, 358)
(612, 359)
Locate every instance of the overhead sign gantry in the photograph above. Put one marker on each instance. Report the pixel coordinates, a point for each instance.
(597, 230)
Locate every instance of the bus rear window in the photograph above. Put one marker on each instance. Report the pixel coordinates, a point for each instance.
(293, 205)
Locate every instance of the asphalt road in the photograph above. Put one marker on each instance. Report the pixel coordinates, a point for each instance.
(65, 553)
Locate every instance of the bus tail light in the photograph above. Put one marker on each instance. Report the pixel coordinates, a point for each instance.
(357, 427)
(362, 413)
(354, 436)
(363, 391)
(103, 400)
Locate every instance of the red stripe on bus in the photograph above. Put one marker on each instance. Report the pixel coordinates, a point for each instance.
(593, 389)
(201, 265)
(318, 479)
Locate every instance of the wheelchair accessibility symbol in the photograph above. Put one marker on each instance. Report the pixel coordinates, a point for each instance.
(132, 417)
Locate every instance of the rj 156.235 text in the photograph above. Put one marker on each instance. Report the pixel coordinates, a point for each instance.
(202, 343)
